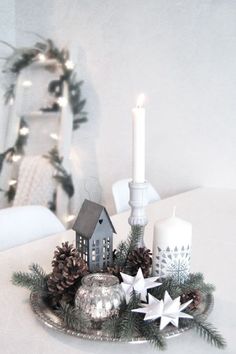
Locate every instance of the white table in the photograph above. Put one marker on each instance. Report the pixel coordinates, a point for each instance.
(213, 214)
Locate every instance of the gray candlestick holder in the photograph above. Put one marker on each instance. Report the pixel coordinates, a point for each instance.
(138, 202)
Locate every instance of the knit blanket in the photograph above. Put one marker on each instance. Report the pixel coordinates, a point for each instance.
(35, 182)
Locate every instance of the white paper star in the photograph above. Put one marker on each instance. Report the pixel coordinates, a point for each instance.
(137, 283)
(168, 310)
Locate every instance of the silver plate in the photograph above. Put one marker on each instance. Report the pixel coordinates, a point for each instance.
(47, 316)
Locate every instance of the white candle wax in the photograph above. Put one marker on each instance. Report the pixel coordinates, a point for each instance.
(139, 141)
(172, 248)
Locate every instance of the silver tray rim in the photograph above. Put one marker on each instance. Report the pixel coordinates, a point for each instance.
(48, 317)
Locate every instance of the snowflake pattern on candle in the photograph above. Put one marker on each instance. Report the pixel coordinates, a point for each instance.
(173, 263)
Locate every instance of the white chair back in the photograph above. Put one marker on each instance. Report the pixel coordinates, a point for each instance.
(20, 225)
(120, 191)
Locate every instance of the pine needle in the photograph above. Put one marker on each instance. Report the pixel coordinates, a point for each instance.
(130, 321)
(125, 247)
(208, 332)
(112, 327)
(151, 331)
(34, 281)
(196, 281)
(72, 317)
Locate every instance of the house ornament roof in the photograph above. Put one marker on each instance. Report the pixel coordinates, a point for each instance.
(88, 218)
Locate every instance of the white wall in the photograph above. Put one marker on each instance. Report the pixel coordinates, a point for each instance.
(7, 33)
(180, 53)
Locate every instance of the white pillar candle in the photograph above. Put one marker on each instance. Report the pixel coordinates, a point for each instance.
(172, 241)
(139, 141)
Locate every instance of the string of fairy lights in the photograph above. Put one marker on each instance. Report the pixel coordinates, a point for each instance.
(48, 54)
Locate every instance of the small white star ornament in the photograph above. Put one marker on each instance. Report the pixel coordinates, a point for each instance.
(168, 310)
(139, 284)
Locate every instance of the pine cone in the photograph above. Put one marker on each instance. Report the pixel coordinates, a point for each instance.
(194, 295)
(68, 268)
(139, 258)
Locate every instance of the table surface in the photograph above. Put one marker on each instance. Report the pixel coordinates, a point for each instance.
(213, 215)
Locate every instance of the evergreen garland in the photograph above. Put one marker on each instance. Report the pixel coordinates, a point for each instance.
(24, 57)
(62, 177)
(16, 149)
(19, 60)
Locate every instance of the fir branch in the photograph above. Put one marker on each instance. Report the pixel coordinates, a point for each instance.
(4, 155)
(130, 321)
(78, 121)
(25, 60)
(151, 331)
(9, 93)
(21, 140)
(34, 281)
(127, 324)
(173, 287)
(66, 182)
(196, 281)
(125, 247)
(72, 317)
(112, 327)
(62, 176)
(208, 332)
(38, 271)
(10, 193)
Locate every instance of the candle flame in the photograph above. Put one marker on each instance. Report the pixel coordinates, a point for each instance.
(141, 100)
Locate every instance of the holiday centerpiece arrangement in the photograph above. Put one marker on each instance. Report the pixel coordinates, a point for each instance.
(129, 293)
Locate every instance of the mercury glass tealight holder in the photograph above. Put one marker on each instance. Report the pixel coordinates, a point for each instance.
(99, 297)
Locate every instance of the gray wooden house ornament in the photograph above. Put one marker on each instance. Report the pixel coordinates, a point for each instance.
(94, 235)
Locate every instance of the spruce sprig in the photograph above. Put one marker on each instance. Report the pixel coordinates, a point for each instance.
(151, 331)
(208, 332)
(130, 321)
(130, 325)
(125, 247)
(195, 281)
(36, 280)
(127, 323)
(72, 317)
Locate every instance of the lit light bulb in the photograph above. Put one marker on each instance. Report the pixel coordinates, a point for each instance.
(24, 131)
(62, 101)
(54, 136)
(70, 218)
(42, 57)
(16, 158)
(27, 83)
(141, 100)
(69, 64)
(12, 182)
(11, 101)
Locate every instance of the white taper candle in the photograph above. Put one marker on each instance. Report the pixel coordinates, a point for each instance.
(138, 174)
